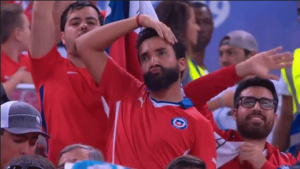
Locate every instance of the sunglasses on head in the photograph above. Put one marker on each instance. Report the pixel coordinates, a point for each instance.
(23, 167)
(264, 103)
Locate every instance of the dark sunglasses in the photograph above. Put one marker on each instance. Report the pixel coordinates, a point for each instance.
(264, 103)
(23, 167)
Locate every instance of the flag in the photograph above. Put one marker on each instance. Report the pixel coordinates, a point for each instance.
(87, 164)
(123, 50)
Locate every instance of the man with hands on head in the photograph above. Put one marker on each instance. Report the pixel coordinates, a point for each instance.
(149, 124)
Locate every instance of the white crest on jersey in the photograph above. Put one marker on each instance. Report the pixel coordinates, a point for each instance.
(141, 100)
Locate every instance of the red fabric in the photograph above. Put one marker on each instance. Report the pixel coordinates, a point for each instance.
(103, 13)
(10, 67)
(275, 160)
(72, 106)
(144, 136)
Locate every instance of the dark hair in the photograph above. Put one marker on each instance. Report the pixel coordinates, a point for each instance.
(198, 5)
(255, 82)
(32, 160)
(11, 18)
(174, 14)
(247, 52)
(186, 161)
(94, 154)
(77, 6)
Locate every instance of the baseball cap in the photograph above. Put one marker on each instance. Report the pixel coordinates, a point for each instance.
(19, 117)
(241, 39)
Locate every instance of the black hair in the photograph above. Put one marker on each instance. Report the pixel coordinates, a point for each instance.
(77, 6)
(247, 52)
(32, 160)
(186, 161)
(255, 82)
(198, 5)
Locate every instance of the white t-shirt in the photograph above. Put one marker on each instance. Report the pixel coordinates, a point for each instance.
(223, 116)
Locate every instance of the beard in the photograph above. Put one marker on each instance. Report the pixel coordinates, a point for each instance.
(159, 82)
(254, 130)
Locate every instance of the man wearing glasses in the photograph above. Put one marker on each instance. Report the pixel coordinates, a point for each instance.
(21, 124)
(255, 104)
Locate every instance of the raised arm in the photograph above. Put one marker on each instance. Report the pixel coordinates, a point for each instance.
(203, 89)
(91, 46)
(45, 26)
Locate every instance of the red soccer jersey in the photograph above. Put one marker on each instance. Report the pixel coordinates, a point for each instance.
(144, 133)
(71, 106)
(275, 159)
(10, 67)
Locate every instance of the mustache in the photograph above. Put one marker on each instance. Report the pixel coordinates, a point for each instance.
(156, 66)
(256, 113)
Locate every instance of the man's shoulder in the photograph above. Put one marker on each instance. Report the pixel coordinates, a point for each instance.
(196, 116)
(281, 155)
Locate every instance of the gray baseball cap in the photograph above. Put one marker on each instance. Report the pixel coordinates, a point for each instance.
(18, 117)
(241, 39)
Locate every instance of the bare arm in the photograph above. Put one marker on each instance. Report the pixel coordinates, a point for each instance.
(58, 9)
(45, 26)
(20, 76)
(91, 45)
(42, 29)
(281, 136)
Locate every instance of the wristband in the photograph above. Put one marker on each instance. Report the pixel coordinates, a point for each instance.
(137, 18)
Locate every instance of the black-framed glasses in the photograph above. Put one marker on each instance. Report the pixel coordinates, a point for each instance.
(264, 103)
(23, 167)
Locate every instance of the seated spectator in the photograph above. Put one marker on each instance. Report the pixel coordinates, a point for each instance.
(87, 164)
(15, 36)
(78, 152)
(30, 162)
(21, 124)
(186, 162)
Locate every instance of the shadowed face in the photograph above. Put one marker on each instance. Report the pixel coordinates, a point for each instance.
(16, 145)
(159, 64)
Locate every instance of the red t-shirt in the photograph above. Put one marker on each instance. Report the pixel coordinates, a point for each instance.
(72, 107)
(144, 133)
(10, 67)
